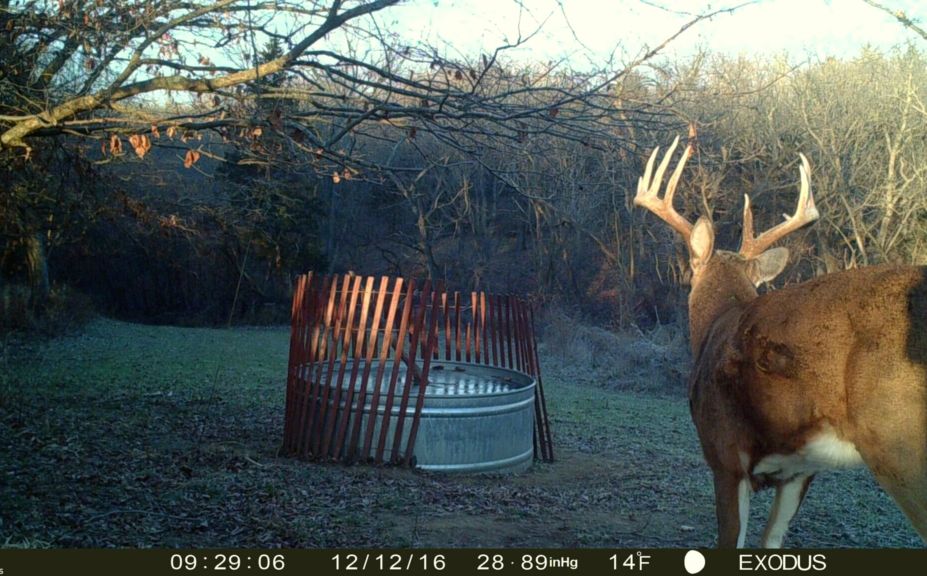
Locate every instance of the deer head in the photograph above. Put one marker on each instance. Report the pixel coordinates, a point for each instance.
(718, 276)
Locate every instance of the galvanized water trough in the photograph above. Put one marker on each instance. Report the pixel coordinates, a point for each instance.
(474, 419)
(414, 377)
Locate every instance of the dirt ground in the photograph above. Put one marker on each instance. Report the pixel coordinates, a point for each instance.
(140, 436)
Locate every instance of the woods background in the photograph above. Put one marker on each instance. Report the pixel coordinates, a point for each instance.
(179, 161)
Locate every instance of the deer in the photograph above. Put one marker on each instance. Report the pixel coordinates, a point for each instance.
(826, 374)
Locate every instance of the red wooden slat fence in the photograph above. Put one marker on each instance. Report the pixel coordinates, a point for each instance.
(338, 326)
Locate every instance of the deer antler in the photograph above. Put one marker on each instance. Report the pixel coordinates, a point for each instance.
(805, 212)
(648, 190)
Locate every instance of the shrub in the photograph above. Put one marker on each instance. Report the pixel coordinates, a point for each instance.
(64, 311)
(655, 361)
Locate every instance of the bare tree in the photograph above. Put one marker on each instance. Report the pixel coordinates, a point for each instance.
(322, 88)
(902, 17)
(129, 49)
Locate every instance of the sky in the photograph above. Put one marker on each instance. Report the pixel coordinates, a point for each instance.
(803, 28)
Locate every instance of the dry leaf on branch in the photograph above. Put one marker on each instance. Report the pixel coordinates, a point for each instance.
(191, 158)
(140, 143)
(115, 145)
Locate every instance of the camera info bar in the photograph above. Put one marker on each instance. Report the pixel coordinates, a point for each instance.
(453, 562)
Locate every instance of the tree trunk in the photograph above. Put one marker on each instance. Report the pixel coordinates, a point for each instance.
(331, 240)
(425, 243)
(37, 269)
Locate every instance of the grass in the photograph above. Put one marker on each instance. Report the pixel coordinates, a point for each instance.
(139, 436)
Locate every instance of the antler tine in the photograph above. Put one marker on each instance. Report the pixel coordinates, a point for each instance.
(648, 189)
(805, 212)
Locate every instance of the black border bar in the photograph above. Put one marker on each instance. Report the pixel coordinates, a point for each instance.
(453, 562)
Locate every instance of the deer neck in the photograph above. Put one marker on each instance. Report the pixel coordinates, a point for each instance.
(716, 298)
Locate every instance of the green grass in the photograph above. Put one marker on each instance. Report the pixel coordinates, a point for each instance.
(131, 435)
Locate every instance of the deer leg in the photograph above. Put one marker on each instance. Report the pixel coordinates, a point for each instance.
(732, 504)
(789, 497)
(894, 447)
(909, 494)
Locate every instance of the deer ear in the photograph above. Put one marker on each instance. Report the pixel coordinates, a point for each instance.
(701, 243)
(768, 265)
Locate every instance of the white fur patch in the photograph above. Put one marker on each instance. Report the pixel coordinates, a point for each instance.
(785, 504)
(825, 451)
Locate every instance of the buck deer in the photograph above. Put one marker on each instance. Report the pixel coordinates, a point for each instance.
(831, 373)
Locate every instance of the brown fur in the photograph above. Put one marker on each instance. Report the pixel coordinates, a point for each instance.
(846, 350)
